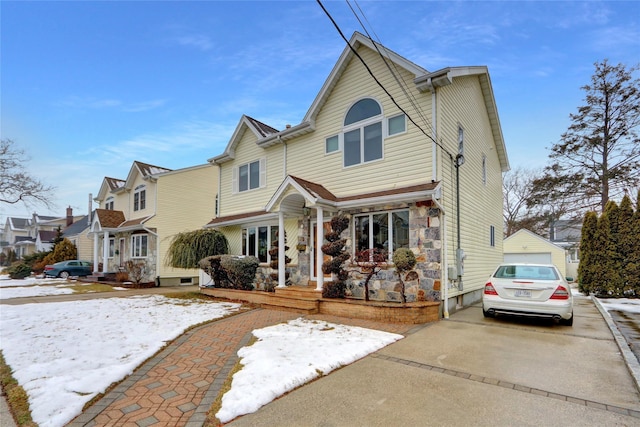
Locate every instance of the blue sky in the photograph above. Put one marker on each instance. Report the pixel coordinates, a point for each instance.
(89, 87)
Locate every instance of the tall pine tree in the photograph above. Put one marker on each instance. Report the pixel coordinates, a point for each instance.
(587, 274)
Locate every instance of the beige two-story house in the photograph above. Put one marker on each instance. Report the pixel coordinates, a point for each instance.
(138, 217)
(413, 157)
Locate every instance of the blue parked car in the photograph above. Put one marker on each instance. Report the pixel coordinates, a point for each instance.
(64, 269)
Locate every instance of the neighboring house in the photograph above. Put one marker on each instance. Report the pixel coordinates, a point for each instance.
(357, 153)
(139, 216)
(567, 234)
(15, 230)
(78, 234)
(36, 234)
(526, 246)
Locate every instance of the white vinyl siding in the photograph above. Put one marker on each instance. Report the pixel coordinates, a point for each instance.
(407, 157)
(465, 98)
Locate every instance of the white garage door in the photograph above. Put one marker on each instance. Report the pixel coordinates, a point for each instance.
(532, 258)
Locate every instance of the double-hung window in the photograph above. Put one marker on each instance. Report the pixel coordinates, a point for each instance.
(387, 231)
(109, 204)
(139, 198)
(249, 176)
(139, 245)
(256, 241)
(363, 133)
(112, 247)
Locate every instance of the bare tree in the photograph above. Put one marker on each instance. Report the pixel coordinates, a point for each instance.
(518, 212)
(598, 157)
(16, 184)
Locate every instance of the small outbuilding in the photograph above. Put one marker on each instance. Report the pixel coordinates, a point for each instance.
(526, 246)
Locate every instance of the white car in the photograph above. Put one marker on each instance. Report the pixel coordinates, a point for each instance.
(532, 290)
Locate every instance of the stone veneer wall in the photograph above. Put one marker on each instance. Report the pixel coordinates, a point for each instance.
(426, 243)
(150, 261)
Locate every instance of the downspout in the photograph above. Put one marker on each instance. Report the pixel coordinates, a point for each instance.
(445, 264)
(216, 207)
(434, 134)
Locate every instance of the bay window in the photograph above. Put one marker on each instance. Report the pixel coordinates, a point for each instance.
(382, 230)
(256, 241)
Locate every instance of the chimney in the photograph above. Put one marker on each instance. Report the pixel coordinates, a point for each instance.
(69, 216)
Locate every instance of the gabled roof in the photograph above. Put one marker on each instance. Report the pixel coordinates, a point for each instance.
(114, 184)
(523, 232)
(260, 130)
(77, 227)
(143, 169)
(109, 185)
(446, 76)
(46, 236)
(108, 219)
(18, 223)
(356, 41)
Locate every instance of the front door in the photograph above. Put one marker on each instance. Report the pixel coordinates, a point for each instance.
(314, 247)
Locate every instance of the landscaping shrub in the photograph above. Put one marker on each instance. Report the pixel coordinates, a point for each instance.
(335, 248)
(19, 270)
(404, 261)
(136, 271)
(241, 272)
(229, 271)
(187, 249)
(334, 290)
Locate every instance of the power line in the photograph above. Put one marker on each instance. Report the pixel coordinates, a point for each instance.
(451, 157)
(396, 74)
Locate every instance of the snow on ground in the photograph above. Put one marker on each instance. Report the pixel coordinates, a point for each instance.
(65, 353)
(37, 287)
(7, 282)
(621, 304)
(289, 355)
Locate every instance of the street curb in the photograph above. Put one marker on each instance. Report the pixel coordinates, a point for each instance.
(629, 358)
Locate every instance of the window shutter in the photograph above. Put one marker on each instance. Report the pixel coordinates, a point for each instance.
(263, 172)
(234, 180)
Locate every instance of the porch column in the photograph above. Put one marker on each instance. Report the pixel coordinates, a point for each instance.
(96, 236)
(105, 251)
(319, 243)
(281, 251)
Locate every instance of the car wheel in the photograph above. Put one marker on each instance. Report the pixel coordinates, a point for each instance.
(486, 313)
(567, 322)
(64, 275)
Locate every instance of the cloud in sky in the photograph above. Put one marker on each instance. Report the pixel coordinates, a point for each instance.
(78, 102)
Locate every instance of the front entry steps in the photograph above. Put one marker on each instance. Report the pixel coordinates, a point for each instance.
(299, 299)
(307, 300)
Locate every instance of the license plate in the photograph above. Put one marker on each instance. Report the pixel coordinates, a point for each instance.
(523, 293)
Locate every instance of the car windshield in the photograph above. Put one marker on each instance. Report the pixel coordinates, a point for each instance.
(531, 272)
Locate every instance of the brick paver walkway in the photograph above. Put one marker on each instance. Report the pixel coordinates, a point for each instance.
(177, 386)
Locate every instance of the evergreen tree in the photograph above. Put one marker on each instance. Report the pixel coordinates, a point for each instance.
(57, 239)
(608, 276)
(599, 155)
(632, 262)
(625, 241)
(586, 270)
(615, 261)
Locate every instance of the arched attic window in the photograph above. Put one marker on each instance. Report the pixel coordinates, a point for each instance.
(363, 132)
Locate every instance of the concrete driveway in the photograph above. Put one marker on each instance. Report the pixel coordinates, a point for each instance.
(472, 371)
